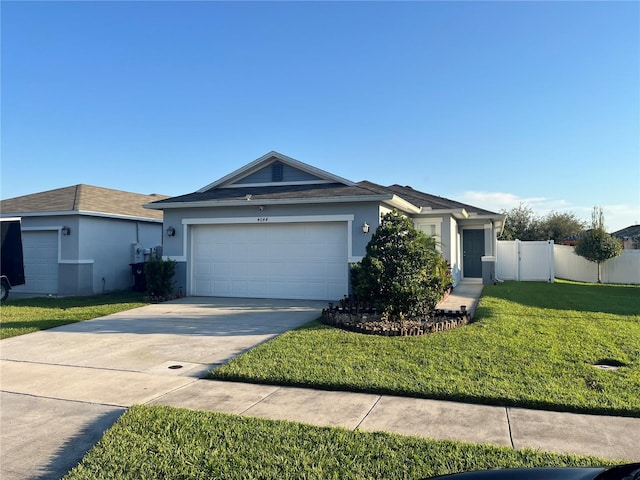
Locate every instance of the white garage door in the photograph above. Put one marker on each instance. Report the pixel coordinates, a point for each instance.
(40, 249)
(290, 260)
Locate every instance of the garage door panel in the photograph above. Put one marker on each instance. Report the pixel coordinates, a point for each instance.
(222, 288)
(40, 250)
(306, 261)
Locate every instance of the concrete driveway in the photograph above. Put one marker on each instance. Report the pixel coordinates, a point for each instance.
(61, 388)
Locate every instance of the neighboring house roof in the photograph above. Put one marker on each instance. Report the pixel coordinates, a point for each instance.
(86, 199)
(632, 231)
(251, 184)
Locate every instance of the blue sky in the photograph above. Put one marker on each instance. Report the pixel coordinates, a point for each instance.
(489, 103)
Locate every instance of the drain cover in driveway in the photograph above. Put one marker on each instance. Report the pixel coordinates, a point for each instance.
(177, 368)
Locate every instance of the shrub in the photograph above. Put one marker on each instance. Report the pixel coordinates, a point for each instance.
(402, 273)
(159, 275)
(596, 245)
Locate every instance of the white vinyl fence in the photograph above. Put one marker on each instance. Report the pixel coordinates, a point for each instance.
(525, 261)
(623, 269)
(542, 261)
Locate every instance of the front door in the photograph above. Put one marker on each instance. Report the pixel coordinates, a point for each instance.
(472, 252)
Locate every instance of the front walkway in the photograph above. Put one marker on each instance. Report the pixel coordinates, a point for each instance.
(464, 294)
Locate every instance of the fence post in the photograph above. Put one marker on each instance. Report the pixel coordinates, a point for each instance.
(518, 259)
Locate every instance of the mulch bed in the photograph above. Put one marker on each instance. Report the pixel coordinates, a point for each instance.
(353, 317)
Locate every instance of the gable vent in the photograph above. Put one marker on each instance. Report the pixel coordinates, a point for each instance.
(276, 172)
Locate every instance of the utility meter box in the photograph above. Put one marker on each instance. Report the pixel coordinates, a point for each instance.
(488, 270)
(137, 253)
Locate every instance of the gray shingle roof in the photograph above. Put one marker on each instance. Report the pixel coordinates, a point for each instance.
(629, 232)
(421, 199)
(277, 192)
(85, 198)
(362, 190)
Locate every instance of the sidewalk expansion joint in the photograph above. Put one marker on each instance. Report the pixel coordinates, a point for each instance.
(261, 400)
(84, 402)
(368, 412)
(179, 387)
(84, 367)
(506, 410)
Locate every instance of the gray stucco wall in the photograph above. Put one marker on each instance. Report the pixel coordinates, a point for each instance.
(368, 212)
(107, 242)
(75, 279)
(95, 256)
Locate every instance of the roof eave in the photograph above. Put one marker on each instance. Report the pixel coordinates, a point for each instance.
(459, 213)
(401, 204)
(272, 201)
(84, 213)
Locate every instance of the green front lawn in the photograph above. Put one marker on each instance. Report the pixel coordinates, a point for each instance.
(531, 345)
(18, 317)
(152, 442)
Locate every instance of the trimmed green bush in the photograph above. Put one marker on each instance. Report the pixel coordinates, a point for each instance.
(159, 275)
(402, 274)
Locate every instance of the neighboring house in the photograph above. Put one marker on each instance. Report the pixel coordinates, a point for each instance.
(630, 237)
(279, 228)
(78, 240)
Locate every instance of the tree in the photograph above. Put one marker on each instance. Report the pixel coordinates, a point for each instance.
(402, 273)
(596, 245)
(520, 224)
(558, 226)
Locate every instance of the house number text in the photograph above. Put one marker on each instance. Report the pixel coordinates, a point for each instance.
(263, 219)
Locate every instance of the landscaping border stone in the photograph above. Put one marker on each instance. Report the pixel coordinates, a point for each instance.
(368, 321)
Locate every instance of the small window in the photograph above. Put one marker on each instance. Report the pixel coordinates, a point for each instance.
(432, 227)
(276, 172)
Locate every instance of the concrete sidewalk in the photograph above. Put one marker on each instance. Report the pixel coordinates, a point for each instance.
(616, 438)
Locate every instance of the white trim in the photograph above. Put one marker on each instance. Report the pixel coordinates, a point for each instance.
(268, 219)
(277, 184)
(265, 161)
(428, 221)
(91, 214)
(10, 219)
(176, 258)
(459, 213)
(341, 221)
(75, 262)
(189, 222)
(51, 227)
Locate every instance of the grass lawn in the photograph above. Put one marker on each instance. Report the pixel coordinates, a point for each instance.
(18, 317)
(531, 345)
(152, 442)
